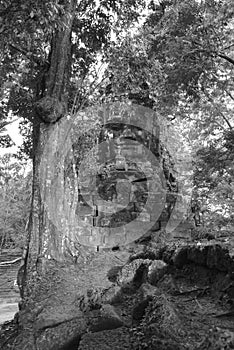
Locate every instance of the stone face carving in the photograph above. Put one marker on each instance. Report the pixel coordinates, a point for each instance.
(107, 178)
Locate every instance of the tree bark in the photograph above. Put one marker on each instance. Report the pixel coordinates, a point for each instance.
(49, 108)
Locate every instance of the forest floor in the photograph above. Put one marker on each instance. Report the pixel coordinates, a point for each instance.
(186, 305)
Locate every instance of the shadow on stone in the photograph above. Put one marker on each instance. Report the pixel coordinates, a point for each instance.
(72, 345)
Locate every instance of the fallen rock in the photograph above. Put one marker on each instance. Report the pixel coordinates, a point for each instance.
(46, 320)
(147, 253)
(207, 254)
(64, 336)
(134, 272)
(157, 269)
(217, 339)
(104, 319)
(146, 292)
(112, 295)
(24, 340)
(91, 300)
(173, 254)
(218, 257)
(168, 285)
(153, 339)
(113, 273)
(139, 309)
(180, 257)
(159, 328)
(211, 255)
(162, 313)
(197, 254)
(116, 339)
(166, 253)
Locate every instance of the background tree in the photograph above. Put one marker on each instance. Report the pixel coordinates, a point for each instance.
(15, 195)
(180, 62)
(177, 60)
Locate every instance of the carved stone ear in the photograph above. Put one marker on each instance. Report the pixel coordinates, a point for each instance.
(50, 109)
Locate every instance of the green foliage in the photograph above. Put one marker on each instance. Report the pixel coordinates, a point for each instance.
(179, 61)
(15, 191)
(214, 184)
(27, 33)
(177, 52)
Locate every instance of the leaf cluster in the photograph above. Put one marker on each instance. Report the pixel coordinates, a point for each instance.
(15, 192)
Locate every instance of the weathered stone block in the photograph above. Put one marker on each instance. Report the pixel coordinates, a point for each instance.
(104, 319)
(130, 272)
(116, 339)
(157, 269)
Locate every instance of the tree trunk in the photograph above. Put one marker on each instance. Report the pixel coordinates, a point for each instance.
(49, 109)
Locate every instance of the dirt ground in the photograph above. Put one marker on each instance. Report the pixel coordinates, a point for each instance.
(190, 306)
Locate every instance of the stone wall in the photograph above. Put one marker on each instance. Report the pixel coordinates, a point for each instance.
(107, 178)
(128, 194)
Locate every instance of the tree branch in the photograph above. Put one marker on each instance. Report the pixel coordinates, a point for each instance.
(226, 120)
(228, 47)
(27, 54)
(227, 58)
(224, 117)
(229, 94)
